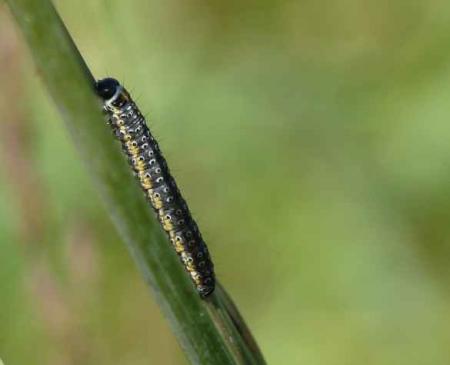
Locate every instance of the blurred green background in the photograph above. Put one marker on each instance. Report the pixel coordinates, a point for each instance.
(311, 139)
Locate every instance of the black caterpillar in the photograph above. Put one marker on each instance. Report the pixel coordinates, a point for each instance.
(151, 170)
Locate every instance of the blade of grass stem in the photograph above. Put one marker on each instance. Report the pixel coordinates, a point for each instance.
(209, 331)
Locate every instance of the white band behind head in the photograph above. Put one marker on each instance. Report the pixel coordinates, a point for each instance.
(114, 97)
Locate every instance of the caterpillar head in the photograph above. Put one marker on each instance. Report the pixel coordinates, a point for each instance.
(112, 93)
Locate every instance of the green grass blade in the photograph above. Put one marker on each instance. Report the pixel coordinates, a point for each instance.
(210, 332)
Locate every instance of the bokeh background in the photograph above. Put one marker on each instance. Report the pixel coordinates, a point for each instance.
(311, 139)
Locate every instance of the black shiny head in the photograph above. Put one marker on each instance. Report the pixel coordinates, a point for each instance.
(106, 88)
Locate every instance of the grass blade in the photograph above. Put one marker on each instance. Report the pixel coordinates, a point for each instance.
(210, 331)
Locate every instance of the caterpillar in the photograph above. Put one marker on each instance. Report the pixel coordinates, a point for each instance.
(151, 170)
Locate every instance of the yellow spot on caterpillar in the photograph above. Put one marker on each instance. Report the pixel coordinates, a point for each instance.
(146, 183)
(179, 247)
(139, 165)
(126, 136)
(177, 241)
(133, 149)
(167, 225)
(196, 277)
(165, 220)
(156, 201)
(188, 262)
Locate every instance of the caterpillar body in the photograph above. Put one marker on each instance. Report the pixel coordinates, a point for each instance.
(151, 170)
